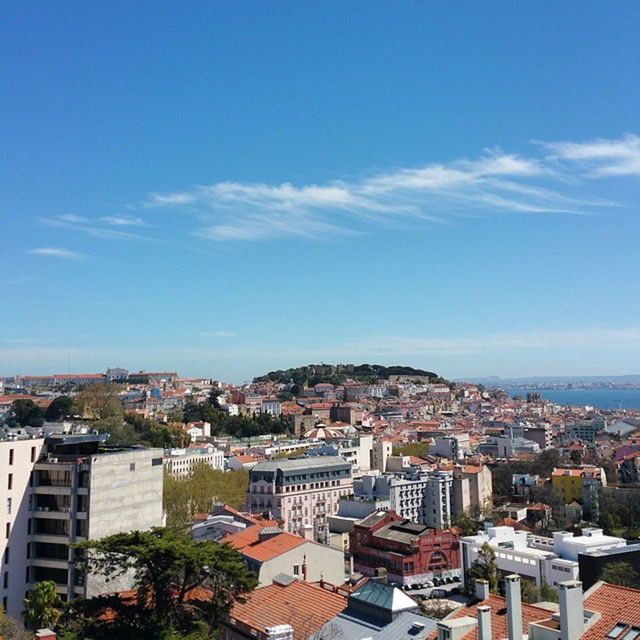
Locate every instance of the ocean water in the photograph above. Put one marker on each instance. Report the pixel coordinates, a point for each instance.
(599, 398)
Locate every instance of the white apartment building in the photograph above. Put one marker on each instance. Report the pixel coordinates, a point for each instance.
(423, 498)
(301, 493)
(181, 462)
(17, 458)
(541, 560)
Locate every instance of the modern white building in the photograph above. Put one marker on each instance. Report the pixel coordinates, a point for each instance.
(181, 462)
(17, 458)
(541, 560)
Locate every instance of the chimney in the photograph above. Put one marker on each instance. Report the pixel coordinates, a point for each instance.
(571, 610)
(482, 589)
(484, 622)
(304, 568)
(514, 607)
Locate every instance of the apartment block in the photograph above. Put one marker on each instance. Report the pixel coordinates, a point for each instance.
(17, 458)
(81, 493)
(181, 462)
(423, 498)
(300, 493)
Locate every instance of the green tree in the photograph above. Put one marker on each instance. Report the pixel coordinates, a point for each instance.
(466, 525)
(180, 584)
(548, 593)
(99, 401)
(11, 629)
(60, 408)
(418, 449)
(576, 456)
(184, 497)
(41, 606)
(484, 568)
(25, 413)
(529, 592)
(622, 574)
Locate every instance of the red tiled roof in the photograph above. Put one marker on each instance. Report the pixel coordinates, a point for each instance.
(249, 544)
(614, 604)
(306, 607)
(530, 613)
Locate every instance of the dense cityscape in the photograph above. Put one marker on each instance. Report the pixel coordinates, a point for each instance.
(319, 320)
(321, 502)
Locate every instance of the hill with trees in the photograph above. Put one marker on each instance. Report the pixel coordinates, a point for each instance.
(313, 374)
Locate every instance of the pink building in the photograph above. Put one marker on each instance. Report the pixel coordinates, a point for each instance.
(300, 493)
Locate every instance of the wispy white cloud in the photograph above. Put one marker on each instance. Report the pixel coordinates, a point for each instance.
(497, 182)
(101, 228)
(601, 157)
(57, 252)
(123, 221)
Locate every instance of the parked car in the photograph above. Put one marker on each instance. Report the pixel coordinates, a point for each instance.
(437, 581)
(456, 578)
(429, 584)
(437, 594)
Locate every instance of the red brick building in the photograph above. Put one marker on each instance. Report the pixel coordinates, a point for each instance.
(410, 552)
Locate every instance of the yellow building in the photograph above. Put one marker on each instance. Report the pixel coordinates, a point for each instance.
(567, 484)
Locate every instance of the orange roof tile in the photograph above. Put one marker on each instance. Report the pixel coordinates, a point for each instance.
(306, 607)
(614, 604)
(530, 613)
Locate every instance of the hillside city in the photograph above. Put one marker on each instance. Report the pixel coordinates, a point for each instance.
(323, 502)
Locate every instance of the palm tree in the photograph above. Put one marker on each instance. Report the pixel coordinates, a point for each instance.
(41, 605)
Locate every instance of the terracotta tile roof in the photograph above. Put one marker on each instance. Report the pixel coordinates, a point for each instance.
(249, 544)
(530, 613)
(306, 607)
(614, 604)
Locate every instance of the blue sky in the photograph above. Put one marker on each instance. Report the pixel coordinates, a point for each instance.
(228, 188)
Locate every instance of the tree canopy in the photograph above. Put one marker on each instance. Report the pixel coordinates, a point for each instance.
(185, 497)
(622, 574)
(41, 606)
(25, 413)
(313, 374)
(60, 408)
(484, 567)
(237, 426)
(180, 586)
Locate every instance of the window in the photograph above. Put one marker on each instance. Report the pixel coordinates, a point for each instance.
(9, 504)
(8, 529)
(616, 631)
(632, 634)
(296, 569)
(6, 555)
(5, 580)
(4, 603)
(132, 466)
(26, 576)
(10, 481)
(10, 456)
(155, 462)
(33, 454)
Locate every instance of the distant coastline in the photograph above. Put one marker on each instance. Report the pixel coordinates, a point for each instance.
(608, 399)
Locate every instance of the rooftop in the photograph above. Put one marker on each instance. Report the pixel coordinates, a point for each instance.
(299, 464)
(306, 607)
